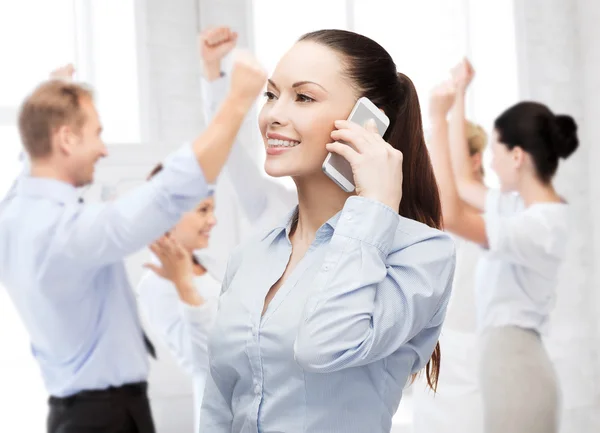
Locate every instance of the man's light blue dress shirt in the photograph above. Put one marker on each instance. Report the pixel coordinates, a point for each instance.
(62, 264)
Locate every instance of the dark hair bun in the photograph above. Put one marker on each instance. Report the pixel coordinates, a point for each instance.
(565, 140)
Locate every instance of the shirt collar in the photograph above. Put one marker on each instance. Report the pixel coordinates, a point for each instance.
(52, 189)
(326, 230)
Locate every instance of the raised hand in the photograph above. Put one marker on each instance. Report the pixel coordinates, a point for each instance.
(214, 45)
(462, 74)
(176, 266)
(376, 165)
(441, 100)
(247, 78)
(175, 261)
(63, 73)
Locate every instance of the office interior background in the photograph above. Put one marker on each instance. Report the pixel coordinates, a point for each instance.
(142, 59)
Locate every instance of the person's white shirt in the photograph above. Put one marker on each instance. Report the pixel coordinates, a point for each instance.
(183, 327)
(245, 200)
(517, 276)
(511, 283)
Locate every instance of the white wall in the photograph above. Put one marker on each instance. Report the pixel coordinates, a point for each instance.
(588, 17)
(557, 44)
(589, 37)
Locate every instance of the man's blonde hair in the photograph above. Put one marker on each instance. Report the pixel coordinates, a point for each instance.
(476, 138)
(52, 104)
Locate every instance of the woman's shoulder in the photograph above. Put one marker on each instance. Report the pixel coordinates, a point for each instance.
(412, 231)
(414, 239)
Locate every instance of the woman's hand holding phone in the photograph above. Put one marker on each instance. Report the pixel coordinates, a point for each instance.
(376, 166)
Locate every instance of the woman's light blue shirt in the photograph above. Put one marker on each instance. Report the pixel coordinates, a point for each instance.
(359, 313)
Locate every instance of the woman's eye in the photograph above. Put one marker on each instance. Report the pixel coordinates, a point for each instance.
(304, 98)
(269, 95)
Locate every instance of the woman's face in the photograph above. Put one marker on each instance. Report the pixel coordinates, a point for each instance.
(304, 97)
(506, 163)
(193, 229)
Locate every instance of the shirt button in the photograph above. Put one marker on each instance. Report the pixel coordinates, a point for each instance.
(257, 389)
(326, 267)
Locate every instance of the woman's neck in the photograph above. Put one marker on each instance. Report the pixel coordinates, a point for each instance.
(319, 199)
(199, 270)
(533, 191)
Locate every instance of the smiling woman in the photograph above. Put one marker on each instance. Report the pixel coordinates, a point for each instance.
(301, 106)
(312, 307)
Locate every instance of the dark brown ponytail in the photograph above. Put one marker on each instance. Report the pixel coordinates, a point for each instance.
(374, 73)
(420, 194)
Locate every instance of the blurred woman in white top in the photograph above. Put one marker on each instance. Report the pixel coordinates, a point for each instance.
(523, 228)
(179, 296)
(456, 405)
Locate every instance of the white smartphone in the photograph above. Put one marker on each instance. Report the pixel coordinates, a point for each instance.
(336, 166)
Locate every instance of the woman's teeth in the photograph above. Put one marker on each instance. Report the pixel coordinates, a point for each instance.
(282, 143)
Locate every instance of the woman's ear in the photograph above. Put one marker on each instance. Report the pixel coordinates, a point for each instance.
(518, 156)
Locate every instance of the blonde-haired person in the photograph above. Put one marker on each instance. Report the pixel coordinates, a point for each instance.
(476, 137)
(457, 404)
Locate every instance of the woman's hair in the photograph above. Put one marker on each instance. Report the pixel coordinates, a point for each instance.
(539, 132)
(476, 138)
(373, 73)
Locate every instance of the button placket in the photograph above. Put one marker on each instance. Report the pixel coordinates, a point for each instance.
(255, 364)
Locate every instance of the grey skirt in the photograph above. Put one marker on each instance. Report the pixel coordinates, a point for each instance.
(518, 383)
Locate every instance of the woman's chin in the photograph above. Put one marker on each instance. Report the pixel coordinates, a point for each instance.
(276, 168)
(201, 244)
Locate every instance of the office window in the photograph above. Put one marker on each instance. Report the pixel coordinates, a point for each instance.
(36, 36)
(113, 69)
